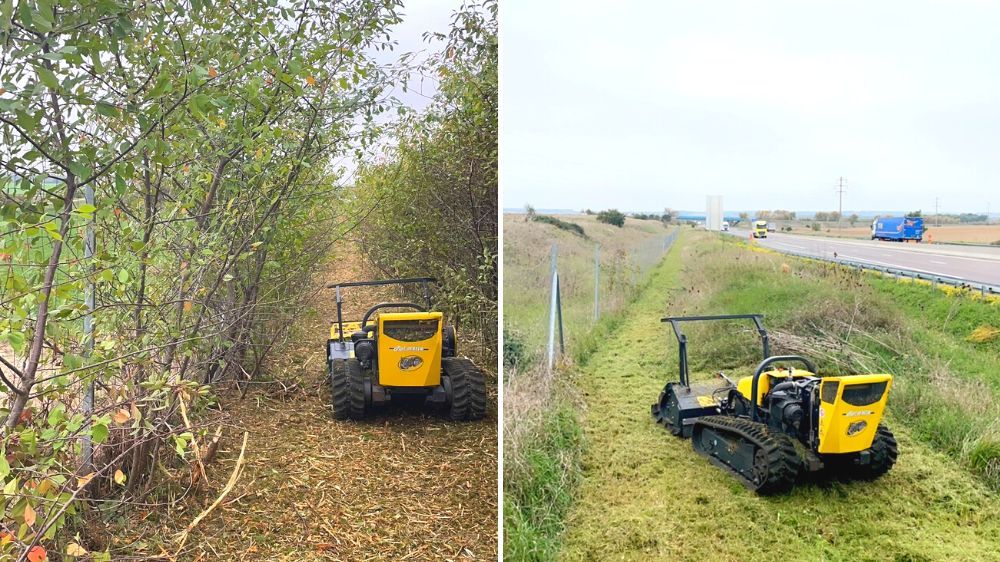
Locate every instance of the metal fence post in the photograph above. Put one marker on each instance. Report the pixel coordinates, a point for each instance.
(597, 282)
(553, 302)
(89, 246)
(562, 343)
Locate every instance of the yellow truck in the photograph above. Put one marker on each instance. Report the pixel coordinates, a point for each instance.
(760, 229)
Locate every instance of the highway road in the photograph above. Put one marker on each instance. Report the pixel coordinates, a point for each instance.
(980, 264)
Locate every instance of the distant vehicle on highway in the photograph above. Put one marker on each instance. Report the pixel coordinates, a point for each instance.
(898, 229)
(771, 227)
(725, 226)
(760, 229)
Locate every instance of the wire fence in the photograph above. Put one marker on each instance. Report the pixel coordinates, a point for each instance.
(615, 279)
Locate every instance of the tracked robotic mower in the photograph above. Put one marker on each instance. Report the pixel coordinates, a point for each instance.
(400, 351)
(769, 428)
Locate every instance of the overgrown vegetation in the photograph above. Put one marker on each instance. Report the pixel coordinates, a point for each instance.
(207, 135)
(543, 442)
(558, 223)
(612, 216)
(435, 197)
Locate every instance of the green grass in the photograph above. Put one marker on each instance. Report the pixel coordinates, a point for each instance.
(537, 499)
(543, 440)
(645, 494)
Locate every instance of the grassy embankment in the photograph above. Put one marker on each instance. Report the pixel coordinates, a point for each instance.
(542, 437)
(645, 493)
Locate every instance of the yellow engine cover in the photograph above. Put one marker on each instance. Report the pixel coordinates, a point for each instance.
(409, 348)
(850, 410)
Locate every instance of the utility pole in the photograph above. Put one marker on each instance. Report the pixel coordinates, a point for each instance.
(937, 215)
(840, 205)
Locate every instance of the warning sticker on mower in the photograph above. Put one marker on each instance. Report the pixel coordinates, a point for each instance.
(706, 401)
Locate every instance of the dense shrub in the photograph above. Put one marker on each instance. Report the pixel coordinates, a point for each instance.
(434, 200)
(515, 352)
(207, 140)
(558, 223)
(612, 216)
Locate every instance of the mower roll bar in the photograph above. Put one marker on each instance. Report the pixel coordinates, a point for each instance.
(364, 320)
(754, 415)
(682, 339)
(404, 281)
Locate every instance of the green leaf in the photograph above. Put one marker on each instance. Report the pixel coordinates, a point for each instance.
(107, 109)
(4, 465)
(6, 13)
(123, 276)
(47, 77)
(162, 86)
(86, 209)
(99, 433)
(16, 341)
(71, 361)
(54, 234)
(79, 170)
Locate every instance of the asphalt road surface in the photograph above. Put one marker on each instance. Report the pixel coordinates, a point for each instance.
(979, 264)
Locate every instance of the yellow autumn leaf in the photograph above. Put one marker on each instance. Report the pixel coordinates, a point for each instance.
(121, 416)
(222, 123)
(187, 306)
(74, 549)
(136, 413)
(43, 487)
(29, 515)
(119, 477)
(84, 480)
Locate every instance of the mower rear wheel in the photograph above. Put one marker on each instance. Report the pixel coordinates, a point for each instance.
(882, 454)
(357, 407)
(468, 389)
(347, 389)
(339, 389)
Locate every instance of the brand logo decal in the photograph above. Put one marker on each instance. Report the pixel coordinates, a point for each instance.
(405, 348)
(858, 413)
(410, 362)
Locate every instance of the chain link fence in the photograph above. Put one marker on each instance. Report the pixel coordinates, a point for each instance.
(581, 283)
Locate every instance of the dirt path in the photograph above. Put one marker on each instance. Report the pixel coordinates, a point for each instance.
(402, 486)
(647, 495)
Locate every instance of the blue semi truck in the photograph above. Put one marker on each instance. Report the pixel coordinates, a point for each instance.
(898, 229)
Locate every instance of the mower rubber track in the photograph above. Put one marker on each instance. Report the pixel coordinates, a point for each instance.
(782, 461)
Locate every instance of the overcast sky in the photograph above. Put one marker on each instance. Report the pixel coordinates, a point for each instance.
(419, 17)
(645, 105)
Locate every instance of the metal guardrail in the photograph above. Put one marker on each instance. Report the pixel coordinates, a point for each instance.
(898, 272)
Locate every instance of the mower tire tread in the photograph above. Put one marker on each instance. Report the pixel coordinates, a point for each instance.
(468, 389)
(339, 389)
